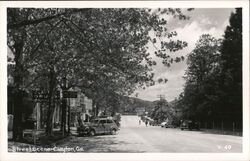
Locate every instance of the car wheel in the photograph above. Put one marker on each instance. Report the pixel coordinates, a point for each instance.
(181, 128)
(113, 131)
(92, 133)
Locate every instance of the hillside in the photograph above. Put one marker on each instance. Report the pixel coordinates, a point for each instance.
(131, 105)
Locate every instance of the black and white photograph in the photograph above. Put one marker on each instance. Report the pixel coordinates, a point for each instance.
(164, 79)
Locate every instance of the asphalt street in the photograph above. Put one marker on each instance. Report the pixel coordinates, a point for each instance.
(133, 137)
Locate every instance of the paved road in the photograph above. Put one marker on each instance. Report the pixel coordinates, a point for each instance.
(138, 138)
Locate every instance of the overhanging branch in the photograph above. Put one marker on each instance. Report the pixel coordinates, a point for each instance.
(37, 21)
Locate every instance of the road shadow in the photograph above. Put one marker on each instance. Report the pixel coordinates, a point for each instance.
(101, 143)
(221, 132)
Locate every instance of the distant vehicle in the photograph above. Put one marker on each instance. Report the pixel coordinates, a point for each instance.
(166, 125)
(163, 124)
(151, 121)
(189, 124)
(98, 126)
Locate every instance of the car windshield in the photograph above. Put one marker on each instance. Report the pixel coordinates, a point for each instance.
(103, 121)
(109, 121)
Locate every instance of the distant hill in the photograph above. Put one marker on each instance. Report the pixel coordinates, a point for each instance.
(131, 105)
(158, 110)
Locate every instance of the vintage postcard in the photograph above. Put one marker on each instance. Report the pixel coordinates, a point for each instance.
(124, 80)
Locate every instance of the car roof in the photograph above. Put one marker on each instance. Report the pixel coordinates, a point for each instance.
(102, 119)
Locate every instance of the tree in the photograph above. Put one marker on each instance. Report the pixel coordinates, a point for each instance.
(28, 30)
(200, 93)
(213, 88)
(122, 46)
(99, 54)
(231, 60)
(16, 44)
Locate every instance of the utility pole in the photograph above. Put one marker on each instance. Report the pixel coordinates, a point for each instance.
(162, 97)
(69, 117)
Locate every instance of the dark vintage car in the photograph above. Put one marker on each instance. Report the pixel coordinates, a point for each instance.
(167, 125)
(189, 124)
(98, 126)
(83, 130)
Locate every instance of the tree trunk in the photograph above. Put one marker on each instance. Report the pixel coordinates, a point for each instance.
(93, 107)
(51, 96)
(17, 113)
(63, 119)
(49, 121)
(18, 96)
(69, 118)
(97, 108)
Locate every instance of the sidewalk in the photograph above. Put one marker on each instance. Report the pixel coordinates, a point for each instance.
(38, 137)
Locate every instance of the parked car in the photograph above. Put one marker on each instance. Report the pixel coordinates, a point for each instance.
(167, 125)
(163, 124)
(189, 124)
(99, 126)
(83, 130)
(152, 123)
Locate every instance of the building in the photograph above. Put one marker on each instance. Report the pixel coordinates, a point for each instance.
(80, 107)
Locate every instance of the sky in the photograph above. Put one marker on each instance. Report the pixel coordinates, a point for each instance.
(202, 21)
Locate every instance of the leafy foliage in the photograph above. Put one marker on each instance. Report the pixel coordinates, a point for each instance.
(103, 51)
(231, 57)
(213, 88)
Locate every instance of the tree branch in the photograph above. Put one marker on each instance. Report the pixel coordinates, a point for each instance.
(43, 40)
(37, 21)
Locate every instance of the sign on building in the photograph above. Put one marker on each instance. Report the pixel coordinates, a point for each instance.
(69, 94)
(44, 95)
